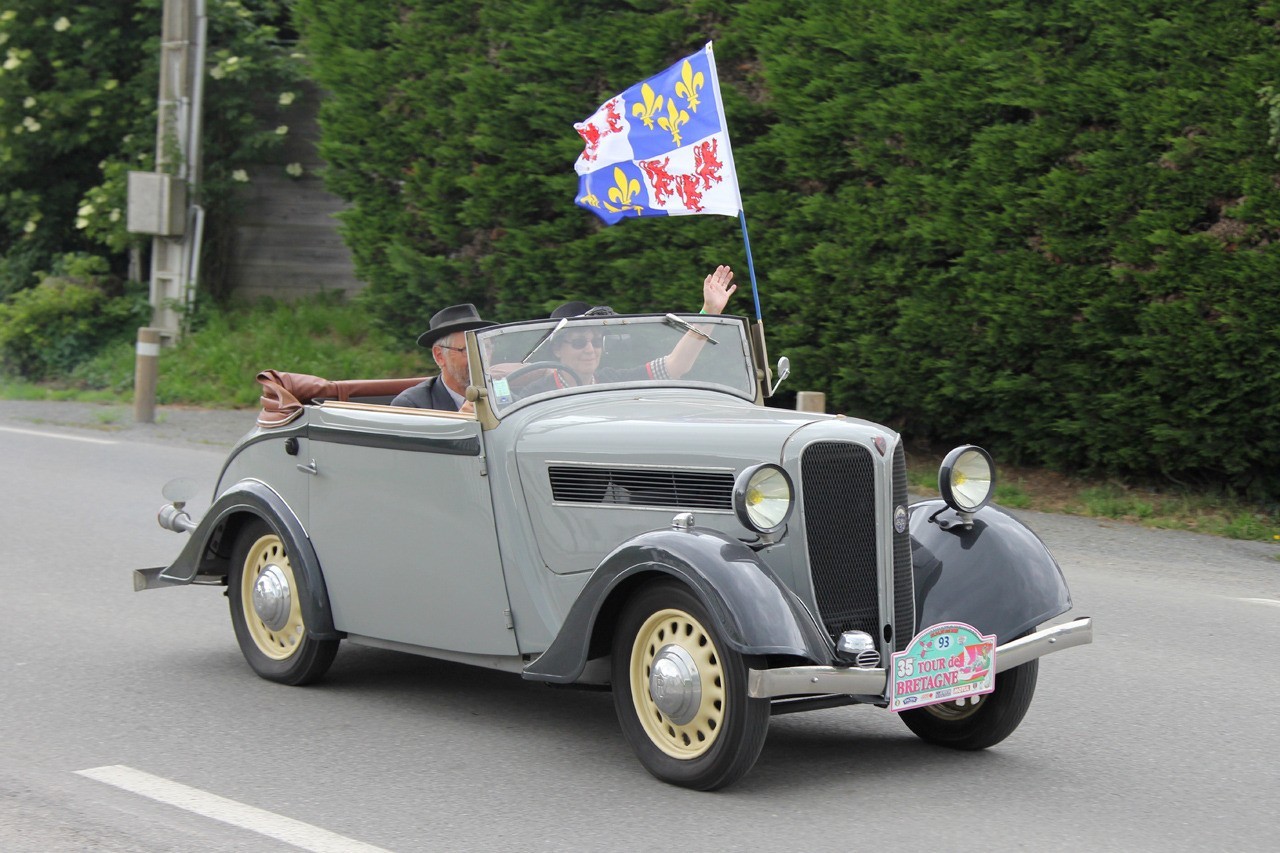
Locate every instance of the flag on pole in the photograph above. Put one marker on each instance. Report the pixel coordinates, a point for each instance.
(661, 148)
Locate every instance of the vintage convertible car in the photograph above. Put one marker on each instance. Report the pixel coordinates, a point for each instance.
(714, 560)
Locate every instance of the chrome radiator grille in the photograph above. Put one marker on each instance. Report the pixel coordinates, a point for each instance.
(904, 597)
(839, 495)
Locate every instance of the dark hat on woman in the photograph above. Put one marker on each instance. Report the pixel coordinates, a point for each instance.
(570, 309)
(455, 318)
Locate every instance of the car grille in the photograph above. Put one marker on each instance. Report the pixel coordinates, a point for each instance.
(673, 489)
(839, 496)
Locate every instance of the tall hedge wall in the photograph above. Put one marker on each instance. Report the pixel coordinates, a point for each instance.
(1043, 225)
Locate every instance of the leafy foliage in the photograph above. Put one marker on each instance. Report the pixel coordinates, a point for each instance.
(1046, 226)
(46, 331)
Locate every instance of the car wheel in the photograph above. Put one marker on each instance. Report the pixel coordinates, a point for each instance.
(681, 692)
(265, 595)
(982, 721)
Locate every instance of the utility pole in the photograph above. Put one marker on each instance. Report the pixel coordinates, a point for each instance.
(161, 203)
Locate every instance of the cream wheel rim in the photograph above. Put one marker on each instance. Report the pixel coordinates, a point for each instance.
(282, 643)
(661, 630)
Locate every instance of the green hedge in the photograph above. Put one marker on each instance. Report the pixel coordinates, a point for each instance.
(1044, 226)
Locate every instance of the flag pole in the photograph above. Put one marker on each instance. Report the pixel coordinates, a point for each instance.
(751, 267)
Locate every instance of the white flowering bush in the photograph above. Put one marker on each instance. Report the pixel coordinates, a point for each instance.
(78, 89)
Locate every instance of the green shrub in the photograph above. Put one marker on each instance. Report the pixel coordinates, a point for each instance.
(1049, 227)
(47, 330)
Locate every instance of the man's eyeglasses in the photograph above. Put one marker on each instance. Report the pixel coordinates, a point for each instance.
(581, 343)
(455, 349)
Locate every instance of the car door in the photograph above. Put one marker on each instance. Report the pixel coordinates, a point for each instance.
(402, 522)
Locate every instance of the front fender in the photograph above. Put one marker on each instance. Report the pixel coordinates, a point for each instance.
(207, 552)
(997, 576)
(752, 610)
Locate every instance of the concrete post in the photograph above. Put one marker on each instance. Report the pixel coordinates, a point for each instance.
(144, 375)
(811, 401)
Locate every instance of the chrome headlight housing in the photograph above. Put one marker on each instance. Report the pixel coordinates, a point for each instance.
(967, 479)
(763, 497)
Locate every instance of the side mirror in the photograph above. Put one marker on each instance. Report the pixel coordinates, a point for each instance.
(784, 370)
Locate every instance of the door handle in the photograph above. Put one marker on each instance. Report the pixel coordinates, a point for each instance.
(309, 468)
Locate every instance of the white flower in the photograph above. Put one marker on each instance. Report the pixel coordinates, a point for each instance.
(85, 210)
(282, 129)
(82, 223)
(294, 169)
(217, 72)
(62, 24)
(240, 175)
(31, 124)
(111, 84)
(286, 98)
(28, 103)
(233, 60)
(30, 227)
(297, 56)
(7, 15)
(114, 215)
(12, 62)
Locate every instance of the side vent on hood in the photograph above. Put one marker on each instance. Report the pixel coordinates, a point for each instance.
(654, 487)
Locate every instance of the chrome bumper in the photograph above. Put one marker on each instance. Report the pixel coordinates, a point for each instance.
(824, 680)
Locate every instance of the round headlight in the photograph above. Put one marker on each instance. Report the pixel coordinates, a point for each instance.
(762, 498)
(967, 478)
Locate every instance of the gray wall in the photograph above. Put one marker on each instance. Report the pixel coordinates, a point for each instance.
(285, 239)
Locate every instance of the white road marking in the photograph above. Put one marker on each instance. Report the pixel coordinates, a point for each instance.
(43, 434)
(288, 830)
(1269, 601)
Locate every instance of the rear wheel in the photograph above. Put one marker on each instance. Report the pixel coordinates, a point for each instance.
(681, 693)
(982, 721)
(266, 610)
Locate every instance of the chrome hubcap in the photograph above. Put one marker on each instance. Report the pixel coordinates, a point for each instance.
(674, 684)
(271, 597)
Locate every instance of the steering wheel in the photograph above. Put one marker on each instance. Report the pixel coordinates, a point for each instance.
(544, 365)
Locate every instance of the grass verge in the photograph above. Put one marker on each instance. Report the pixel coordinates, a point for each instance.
(1171, 509)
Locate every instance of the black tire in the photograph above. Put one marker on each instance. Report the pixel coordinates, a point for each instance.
(720, 739)
(978, 726)
(286, 653)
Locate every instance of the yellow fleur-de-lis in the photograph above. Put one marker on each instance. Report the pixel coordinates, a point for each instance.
(652, 103)
(672, 120)
(591, 199)
(689, 85)
(622, 192)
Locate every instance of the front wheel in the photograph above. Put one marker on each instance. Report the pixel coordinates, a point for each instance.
(681, 693)
(982, 721)
(266, 611)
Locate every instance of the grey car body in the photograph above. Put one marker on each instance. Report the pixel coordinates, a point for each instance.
(525, 536)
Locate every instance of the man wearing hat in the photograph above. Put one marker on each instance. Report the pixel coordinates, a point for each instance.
(444, 335)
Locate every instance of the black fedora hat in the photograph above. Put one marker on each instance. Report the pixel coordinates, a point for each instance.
(455, 318)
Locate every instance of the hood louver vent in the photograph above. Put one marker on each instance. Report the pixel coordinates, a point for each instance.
(642, 487)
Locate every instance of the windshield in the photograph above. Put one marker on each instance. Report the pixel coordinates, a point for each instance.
(524, 361)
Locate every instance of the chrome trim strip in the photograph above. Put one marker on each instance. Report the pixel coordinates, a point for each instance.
(816, 680)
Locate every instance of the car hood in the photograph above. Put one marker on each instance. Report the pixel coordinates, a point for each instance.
(598, 469)
(667, 430)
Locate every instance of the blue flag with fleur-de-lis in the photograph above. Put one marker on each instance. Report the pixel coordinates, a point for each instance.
(661, 148)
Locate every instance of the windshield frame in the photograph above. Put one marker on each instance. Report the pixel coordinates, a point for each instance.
(729, 331)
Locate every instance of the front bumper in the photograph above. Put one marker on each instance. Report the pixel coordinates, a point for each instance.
(851, 681)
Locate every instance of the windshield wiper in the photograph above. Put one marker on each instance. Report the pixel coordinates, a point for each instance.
(688, 327)
(543, 339)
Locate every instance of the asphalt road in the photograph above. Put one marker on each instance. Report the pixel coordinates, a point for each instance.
(131, 722)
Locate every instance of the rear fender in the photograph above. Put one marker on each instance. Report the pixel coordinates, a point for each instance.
(997, 575)
(752, 610)
(208, 552)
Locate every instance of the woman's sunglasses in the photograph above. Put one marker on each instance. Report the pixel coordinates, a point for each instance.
(581, 343)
